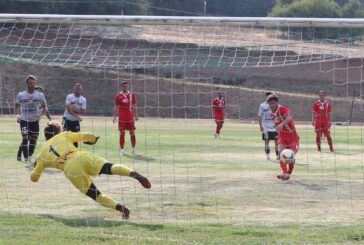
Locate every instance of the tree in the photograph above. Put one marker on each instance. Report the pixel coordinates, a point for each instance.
(353, 9)
(307, 8)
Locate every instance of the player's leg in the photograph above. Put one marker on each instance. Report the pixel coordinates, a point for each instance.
(265, 137)
(133, 140)
(33, 137)
(75, 128)
(275, 138)
(122, 141)
(217, 129)
(24, 144)
(75, 171)
(294, 148)
(329, 139)
(106, 201)
(20, 151)
(283, 165)
(318, 140)
(221, 125)
(118, 169)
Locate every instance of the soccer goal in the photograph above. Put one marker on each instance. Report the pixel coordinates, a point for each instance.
(207, 188)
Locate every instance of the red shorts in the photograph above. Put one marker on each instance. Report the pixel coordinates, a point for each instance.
(288, 140)
(219, 118)
(322, 127)
(126, 125)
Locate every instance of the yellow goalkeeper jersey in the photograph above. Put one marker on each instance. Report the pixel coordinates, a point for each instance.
(57, 150)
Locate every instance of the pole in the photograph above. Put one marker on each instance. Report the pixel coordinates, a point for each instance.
(204, 7)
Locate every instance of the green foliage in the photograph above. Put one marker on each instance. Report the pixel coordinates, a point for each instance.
(321, 9)
(307, 8)
(353, 9)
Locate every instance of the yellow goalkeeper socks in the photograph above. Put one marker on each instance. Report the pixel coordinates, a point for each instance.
(119, 169)
(106, 201)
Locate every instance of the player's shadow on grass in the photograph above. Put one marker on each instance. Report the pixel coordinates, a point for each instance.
(312, 187)
(100, 222)
(140, 158)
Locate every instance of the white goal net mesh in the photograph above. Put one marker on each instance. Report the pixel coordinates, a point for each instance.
(175, 66)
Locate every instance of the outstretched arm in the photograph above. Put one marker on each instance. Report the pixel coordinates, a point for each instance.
(83, 137)
(37, 171)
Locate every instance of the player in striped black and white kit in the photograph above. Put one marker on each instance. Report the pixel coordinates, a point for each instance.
(28, 108)
(75, 108)
(267, 127)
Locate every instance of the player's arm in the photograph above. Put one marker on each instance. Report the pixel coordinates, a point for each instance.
(45, 109)
(134, 108)
(17, 111)
(287, 118)
(70, 109)
(260, 113)
(37, 171)
(313, 114)
(86, 137)
(329, 110)
(72, 112)
(48, 115)
(83, 109)
(213, 109)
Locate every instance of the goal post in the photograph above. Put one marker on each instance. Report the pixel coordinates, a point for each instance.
(176, 66)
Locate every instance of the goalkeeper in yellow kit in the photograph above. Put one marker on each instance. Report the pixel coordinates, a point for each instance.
(79, 165)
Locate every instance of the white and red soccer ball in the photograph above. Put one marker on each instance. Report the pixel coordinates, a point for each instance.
(288, 156)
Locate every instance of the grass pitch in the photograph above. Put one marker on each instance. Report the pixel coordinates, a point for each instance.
(204, 191)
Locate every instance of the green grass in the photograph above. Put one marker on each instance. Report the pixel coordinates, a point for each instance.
(204, 191)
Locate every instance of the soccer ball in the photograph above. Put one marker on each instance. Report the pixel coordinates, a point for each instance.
(287, 156)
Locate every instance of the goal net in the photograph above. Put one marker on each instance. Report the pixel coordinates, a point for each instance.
(203, 189)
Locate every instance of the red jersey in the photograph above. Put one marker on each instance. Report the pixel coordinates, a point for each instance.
(322, 110)
(125, 104)
(278, 118)
(219, 108)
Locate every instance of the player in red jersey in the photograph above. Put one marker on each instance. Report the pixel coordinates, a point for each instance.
(321, 120)
(287, 134)
(218, 109)
(125, 108)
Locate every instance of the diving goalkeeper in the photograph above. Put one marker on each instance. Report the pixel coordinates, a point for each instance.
(79, 165)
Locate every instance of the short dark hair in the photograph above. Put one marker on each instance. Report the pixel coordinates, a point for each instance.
(267, 93)
(272, 97)
(77, 84)
(30, 77)
(124, 82)
(52, 128)
(322, 92)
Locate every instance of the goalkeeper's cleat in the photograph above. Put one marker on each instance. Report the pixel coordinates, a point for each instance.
(124, 210)
(268, 156)
(142, 180)
(133, 151)
(122, 152)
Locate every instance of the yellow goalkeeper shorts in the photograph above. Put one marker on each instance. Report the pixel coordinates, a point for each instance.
(80, 167)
